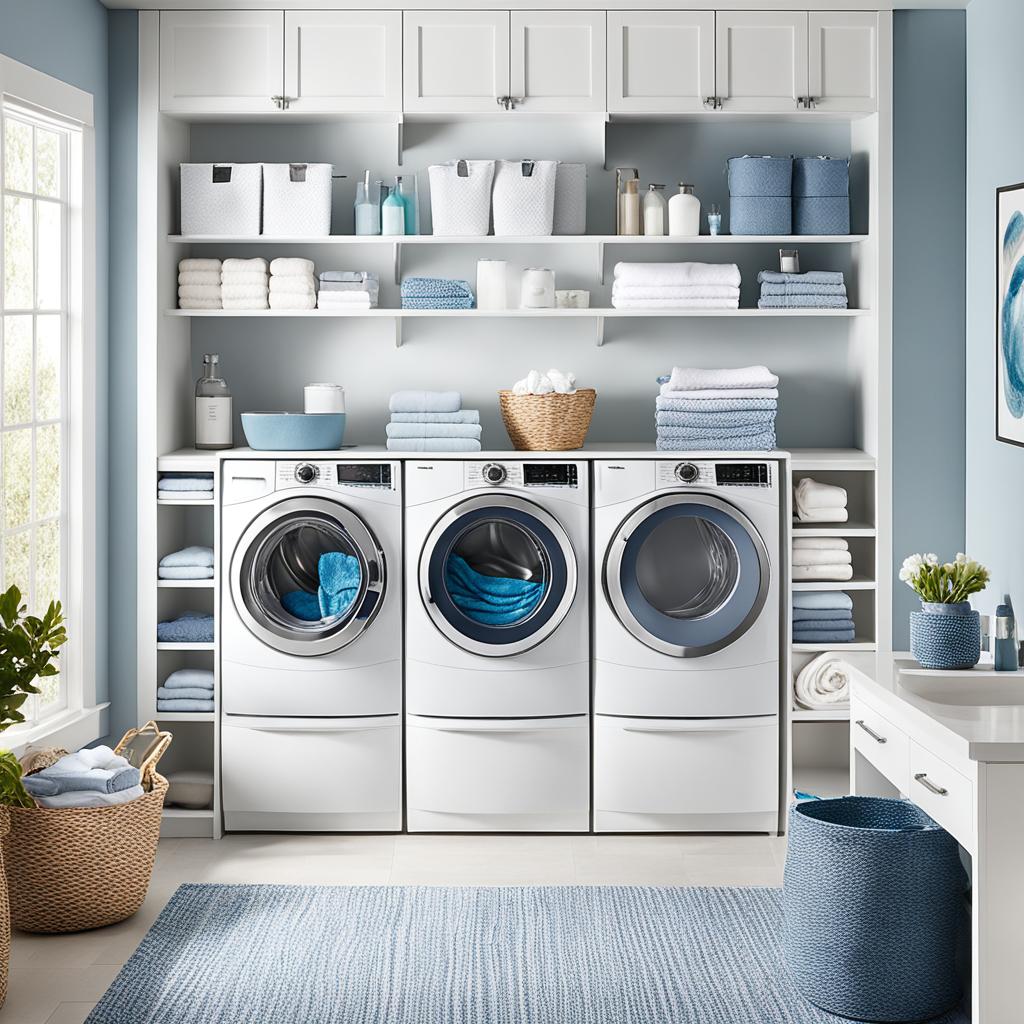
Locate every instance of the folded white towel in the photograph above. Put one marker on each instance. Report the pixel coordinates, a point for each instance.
(837, 571)
(243, 291)
(686, 378)
(258, 264)
(537, 383)
(813, 556)
(260, 302)
(278, 301)
(196, 554)
(199, 291)
(187, 265)
(298, 285)
(345, 298)
(198, 277)
(698, 291)
(820, 544)
(717, 394)
(361, 301)
(621, 303)
(187, 303)
(822, 515)
(823, 682)
(291, 266)
(245, 277)
(811, 494)
(667, 274)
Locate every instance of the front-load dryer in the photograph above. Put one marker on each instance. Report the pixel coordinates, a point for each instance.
(311, 645)
(497, 646)
(687, 641)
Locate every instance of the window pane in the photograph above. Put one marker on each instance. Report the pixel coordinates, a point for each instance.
(50, 262)
(17, 369)
(47, 565)
(51, 694)
(48, 374)
(17, 252)
(17, 562)
(17, 445)
(47, 163)
(48, 471)
(18, 156)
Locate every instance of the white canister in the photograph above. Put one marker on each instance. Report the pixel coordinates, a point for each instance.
(538, 288)
(324, 398)
(491, 284)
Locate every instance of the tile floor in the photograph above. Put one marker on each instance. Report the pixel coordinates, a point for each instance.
(57, 979)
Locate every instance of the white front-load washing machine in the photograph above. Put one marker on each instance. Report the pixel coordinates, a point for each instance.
(497, 646)
(687, 641)
(311, 645)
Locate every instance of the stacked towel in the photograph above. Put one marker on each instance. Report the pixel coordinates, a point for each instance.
(823, 682)
(717, 410)
(822, 617)
(348, 289)
(821, 558)
(192, 563)
(185, 486)
(425, 421)
(676, 286)
(292, 284)
(244, 284)
(187, 628)
(90, 778)
(436, 293)
(187, 689)
(199, 284)
(817, 290)
(819, 503)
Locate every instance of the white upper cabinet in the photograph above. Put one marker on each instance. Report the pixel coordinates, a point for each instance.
(761, 60)
(343, 61)
(455, 61)
(557, 61)
(843, 64)
(660, 61)
(221, 61)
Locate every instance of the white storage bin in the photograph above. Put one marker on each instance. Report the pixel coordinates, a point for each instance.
(297, 199)
(570, 199)
(460, 197)
(524, 197)
(221, 199)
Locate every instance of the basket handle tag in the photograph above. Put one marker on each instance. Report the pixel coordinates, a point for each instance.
(462, 168)
(221, 174)
(297, 172)
(527, 169)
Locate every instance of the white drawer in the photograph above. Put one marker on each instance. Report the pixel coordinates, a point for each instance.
(882, 743)
(942, 792)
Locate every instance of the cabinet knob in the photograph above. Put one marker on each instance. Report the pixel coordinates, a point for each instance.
(812, 102)
(801, 103)
(718, 103)
(278, 102)
(711, 102)
(502, 101)
(514, 100)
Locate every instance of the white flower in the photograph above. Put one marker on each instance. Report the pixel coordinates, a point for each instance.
(961, 558)
(912, 565)
(932, 559)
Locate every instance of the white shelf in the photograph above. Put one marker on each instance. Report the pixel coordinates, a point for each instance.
(857, 583)
(806, 460)
(185, 584)
(821, 714)
(201, 502)
(185, 716)
(837, 530)
(854, 645)
(495, 240)
(188, 812)
(524, 314)
(185, 647)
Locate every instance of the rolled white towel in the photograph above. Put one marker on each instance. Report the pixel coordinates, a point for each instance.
(667, 274)
(563, 383)
(199, 291)
(232, 302)
(190, 277)
(245, 277)
(811, 494)
(690, 379)
(298, 285)
(822, 515)
(278, 301)
(821, 544)
(823, 682)
(198, 265)
(291, 266)
(816, 556)
(243, 291)
(258, 264)
(834, 572)
(534, 383)
(187, 303)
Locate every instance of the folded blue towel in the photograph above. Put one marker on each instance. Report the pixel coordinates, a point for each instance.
(433, 430)
(184, 705)
(302, 604)
(811, 277)
(340, 579)
(49, 782)
(188, 557)
(185, 572)
(184, 693)
(436, 288)
(802, 615)
(425, 401)
(491, 600)
(433, 444)
(839, 636)
(189, 678)
(803, 302)
(188, 628)
(437, 302)
(462, 416)
(800, 288)
(819, 599)
(714, 419)
(711, 432)
(663, 404)
(757, 443)
(185, 482)
(823, 625)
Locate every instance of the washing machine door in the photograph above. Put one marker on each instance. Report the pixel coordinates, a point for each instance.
(687, 574)
(497, 575)
(307, 576)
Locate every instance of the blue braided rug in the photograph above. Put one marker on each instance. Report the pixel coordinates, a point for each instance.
(268, 954)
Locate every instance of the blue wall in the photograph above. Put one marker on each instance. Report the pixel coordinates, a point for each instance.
(995, 471)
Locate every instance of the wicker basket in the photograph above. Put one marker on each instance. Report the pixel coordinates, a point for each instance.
(547, 423)
(5, 914)
(76, 868)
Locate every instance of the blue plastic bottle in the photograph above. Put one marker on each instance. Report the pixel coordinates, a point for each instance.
(1005, 656)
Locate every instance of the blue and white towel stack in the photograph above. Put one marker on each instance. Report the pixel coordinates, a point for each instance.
(96, 777)
(436, 293)
(820, 289)
(188, 690)
(348, 290)
(187, 628)
(192, 563)
(717, 410)
(821, 558)
(432, 421)
(185, 486)
(822, 617)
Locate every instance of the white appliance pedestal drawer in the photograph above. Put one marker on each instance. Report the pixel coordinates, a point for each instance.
(686, 775)
(312, 774)
(498, 775)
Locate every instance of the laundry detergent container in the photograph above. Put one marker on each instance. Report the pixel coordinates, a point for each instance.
(872, 906)
(760, 195)
(297, 199)
(821, 196)
(221, 199)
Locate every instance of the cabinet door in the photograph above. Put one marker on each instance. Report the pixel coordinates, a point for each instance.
(761, 59)
(843, 60)
(660, 61)
(455, 61)
(221, 62)
(343, 61)
(557, 61)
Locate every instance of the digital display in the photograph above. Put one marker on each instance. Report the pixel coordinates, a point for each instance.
(369, 474)
(549, 474)
(750, 473)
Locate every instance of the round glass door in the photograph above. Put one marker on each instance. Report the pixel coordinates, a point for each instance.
(307, 577)
(687, 575)
(497, 575)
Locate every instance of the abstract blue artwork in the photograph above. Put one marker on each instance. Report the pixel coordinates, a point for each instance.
(1010, 314)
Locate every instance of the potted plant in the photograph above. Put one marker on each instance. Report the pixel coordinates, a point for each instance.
(28, 648)
(946, 632)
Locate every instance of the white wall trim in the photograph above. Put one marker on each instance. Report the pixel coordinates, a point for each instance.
(529, 5)
(45, 93)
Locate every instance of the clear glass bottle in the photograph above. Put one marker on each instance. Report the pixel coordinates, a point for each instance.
(409, 190)
(366, 208)
(213, 406)
(655, 210)
(629, 209)
(392, 212)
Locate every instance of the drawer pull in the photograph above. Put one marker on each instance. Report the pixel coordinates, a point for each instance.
(871, 732)
(929, 785)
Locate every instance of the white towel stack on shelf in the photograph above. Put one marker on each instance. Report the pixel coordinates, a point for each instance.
(819, 503)
(348, 289)
(292, 284)
(676, 286)
(821, 558)
(199, 285)
(244, 284)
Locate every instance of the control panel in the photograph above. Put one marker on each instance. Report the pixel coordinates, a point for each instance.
(743, 474)
(331, 474)
(494, 474)
(550, 474)
(714, 474)
(364, 474)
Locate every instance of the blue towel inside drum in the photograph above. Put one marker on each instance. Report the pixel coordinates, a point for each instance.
(490, 600)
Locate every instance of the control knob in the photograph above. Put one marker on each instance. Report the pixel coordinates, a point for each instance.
(494, 473)
(306, 473)
(687, 472)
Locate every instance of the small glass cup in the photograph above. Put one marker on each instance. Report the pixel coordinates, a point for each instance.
(714, 219)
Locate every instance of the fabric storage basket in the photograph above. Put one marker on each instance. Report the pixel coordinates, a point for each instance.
(221, 199)
(460, 197)
(872, 909)
(547, 423)
(760, 195)
(570, 216)
(524, 197)
(821, 196)
(760, 215)
(297, 199)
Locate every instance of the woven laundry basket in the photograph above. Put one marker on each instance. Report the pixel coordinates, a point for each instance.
(5, 914)
(70, 869)
(548, 423)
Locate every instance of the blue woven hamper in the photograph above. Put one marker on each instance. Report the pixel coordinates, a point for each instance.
(761, 176)
(820, 176)
(871, 909)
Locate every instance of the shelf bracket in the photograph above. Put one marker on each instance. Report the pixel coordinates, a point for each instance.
(600, 331)
(600, 261)
(398, 331)
(604, 142)
(400, 140)
(396, 256)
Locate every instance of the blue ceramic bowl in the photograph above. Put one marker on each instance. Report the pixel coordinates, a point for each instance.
(294, 431)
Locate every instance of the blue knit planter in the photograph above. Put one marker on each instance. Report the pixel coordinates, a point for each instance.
(945, 636)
